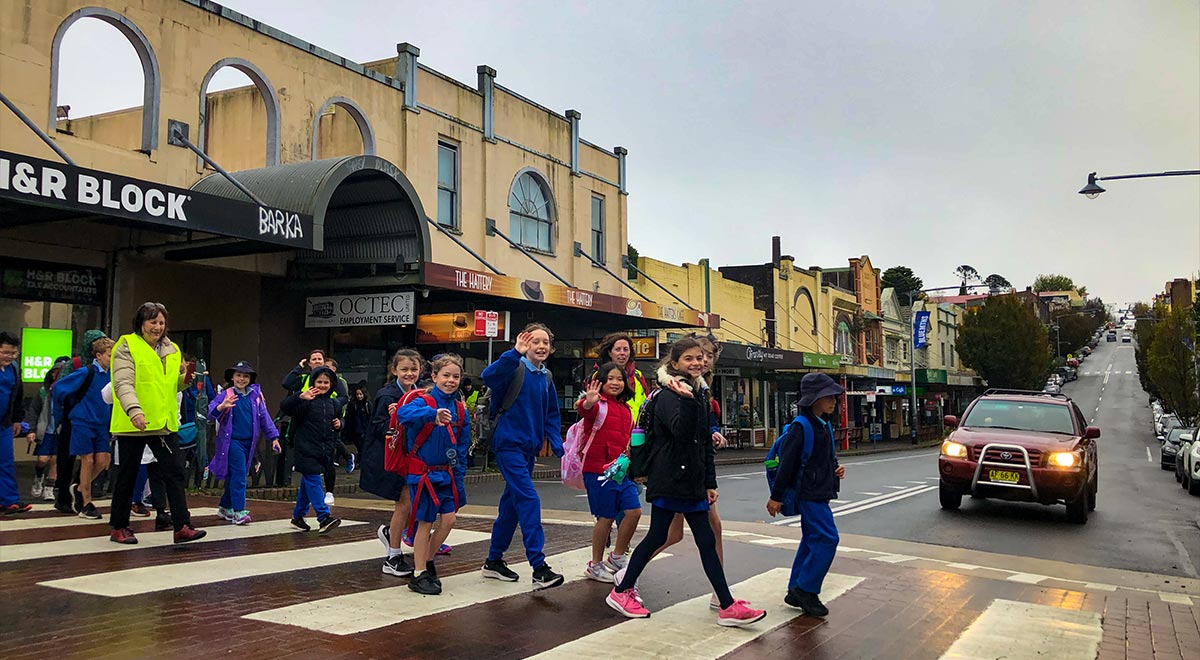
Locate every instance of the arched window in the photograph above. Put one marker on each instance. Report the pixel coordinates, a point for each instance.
(531, 212)
(842, 343)
(238, 105)
(341, 128)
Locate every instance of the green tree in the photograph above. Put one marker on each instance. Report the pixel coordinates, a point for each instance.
(967, 274)
(632, 252)
(1141, 355)
(1053, 282)
(1172, 365)
(902, 279)
(1004, 342)
(1074, 330)
(997, 284)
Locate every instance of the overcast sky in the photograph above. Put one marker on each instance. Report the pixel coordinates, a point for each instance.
(928, 134)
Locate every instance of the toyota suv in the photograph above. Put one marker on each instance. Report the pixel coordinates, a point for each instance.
(1021, 446)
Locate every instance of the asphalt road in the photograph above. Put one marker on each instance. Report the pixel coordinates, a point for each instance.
(1143, 521)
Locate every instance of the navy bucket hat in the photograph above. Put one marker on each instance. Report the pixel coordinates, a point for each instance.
(818, 385)
(242, 367)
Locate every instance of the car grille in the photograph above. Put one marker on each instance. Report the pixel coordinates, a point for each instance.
(994, 455)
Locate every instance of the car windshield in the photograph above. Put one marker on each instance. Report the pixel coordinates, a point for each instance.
(1021, 415)
(1173, 436)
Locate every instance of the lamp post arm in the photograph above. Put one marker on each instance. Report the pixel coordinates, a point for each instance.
(1149, 175)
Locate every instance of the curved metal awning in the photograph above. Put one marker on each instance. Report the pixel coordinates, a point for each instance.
(364, 208)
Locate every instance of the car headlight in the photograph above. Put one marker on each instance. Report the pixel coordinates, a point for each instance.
(1063, 459)
(1196, 450)
(954, 449)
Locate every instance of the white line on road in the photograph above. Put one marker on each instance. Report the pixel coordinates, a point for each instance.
(895, 497)
(922, 483)
(867, 492)
(17, 524)
(1046, 631)
(896, 487)
(1148, 456)
(879, 497)
(840, 501)
(888, 460)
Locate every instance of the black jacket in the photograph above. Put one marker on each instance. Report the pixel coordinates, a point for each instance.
(297, 379)
(14, 409)
(312, 429)
(372, 477)
(358, 421)
(682, 463)
(817, 480)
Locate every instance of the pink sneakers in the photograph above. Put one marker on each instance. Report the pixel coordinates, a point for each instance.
(739, 614)
(629, 606)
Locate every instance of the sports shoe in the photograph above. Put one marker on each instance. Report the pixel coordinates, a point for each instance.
(327, 523)
(48, 491)
(39, 484)
(620, 575)
(397, 565)
(163, 522)
(445, 549)
(407, 540)
(299, 524)
(805, 601)
(740, 614)
(19, 507)
(616, 562)
(384, 536)
(225, 514)
(626, 604)
(544, 577)
(138, 509)
(714, 603)
(241, 517)
(123, 536)
(63, 507)
(90, 512)
(350, 464)
(497, 569)
(76, 498)
(328, 499)
(425, 584)
(598, 572)
(188, 533)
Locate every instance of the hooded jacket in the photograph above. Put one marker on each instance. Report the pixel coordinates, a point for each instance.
(312, 426)
(816, 479)
(373, 478)
(683, 461)
(260, 416)
(437, 449)
(613, 436)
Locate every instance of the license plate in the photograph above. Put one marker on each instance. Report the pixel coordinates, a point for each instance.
(1004, 476)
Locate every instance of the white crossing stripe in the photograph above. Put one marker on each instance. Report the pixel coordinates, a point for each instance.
(689, 629)
(896, 487)
(18, 524)
(1100, 586)
(894, 559)
(1046, 632)
(369, 610)
(97, 544)
(1175, 598)
(869, 493)
(963, 567)
(1027, 578)
(921, 483)
(149, 579)
(836, 502)
(49, 506)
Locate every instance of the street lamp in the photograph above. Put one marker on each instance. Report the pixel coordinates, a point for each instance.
(1093, 190)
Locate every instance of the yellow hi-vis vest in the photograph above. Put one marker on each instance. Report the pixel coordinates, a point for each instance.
(156, 382)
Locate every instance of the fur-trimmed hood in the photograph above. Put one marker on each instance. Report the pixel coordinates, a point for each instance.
(665, 379)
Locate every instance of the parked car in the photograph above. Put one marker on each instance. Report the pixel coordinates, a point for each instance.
(1185, 442)
(1052, 387)
(1170, 447)
(1068, 374)
(1111, 336)
(1126, 338)
(1165, 424)
(1189, 453)
(1021, 446)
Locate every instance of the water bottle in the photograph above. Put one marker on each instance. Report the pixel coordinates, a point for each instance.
(638, 438)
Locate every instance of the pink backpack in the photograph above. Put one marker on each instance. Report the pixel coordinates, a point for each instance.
(573, 455)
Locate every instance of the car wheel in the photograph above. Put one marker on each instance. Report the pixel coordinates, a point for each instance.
(1077, 509)
(1185, 481)
(1193, 487)
(949, 499)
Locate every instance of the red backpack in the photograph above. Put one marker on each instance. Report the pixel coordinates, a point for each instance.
(395, 458)
(416, 466)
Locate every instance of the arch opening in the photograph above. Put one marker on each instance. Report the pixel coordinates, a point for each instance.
(239, 109)
(341, 128)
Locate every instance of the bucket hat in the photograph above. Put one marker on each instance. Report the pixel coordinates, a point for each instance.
(242, 367)
(818, 385)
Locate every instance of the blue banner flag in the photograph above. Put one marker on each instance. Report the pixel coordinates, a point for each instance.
(922, 329)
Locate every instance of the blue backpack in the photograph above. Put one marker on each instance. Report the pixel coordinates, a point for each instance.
(790, 505)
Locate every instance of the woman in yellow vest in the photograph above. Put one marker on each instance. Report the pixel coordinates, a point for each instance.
(618, 348)
(147, 376)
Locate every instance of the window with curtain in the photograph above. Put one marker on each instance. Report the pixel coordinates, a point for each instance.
(530, 217)
(447, 211)
(598, 228)
(841, 341)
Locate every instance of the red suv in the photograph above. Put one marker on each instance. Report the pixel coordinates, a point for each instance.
(1024, 447)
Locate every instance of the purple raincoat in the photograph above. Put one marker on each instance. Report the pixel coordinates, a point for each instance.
(264, 425)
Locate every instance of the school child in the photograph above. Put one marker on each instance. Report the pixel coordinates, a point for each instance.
(818, 481)
(242, 420)
(78, 396)
(316, 414)
(607, 395)
(437, 430)
(525, 405)
(40, 415)
(681, 478)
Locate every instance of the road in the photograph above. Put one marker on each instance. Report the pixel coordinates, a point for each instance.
(1144, 521)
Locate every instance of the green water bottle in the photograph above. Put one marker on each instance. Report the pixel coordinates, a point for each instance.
(637, 438)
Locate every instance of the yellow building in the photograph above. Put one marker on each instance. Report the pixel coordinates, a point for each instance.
(705, 289)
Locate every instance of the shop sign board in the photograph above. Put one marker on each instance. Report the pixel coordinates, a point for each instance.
(359, 309)
(456, 328)
(26, 279)
(644, 348)
(39, 348)
(922, 329)
(58, 185)
(504, 286)
(822, 361)
(735, 355)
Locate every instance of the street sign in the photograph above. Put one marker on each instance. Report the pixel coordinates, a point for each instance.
(487, 323)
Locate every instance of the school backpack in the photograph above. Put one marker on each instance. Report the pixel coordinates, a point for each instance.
(641, 455)
(791, 506)
(415, 466)
(513, 391)
(573, 455)
(395, 458)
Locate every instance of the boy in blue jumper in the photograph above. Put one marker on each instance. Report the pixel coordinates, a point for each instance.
(89, 415)
(518, 435)
(436, 465)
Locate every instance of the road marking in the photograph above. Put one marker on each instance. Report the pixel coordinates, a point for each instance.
(1046, 632)
(964, 567)
(878, 497)
(49, 506)
(687, 630)
(895, 497)
(1149, 458)
(1027, 578)
(840, 501)
(98, 544)
(894, 559)
(1175, 598)
(888, 460)
(898, 487)
(737, 477)
(149, 579)
(1128, 373)
(867, 492)
(1100, 586)
(368, 610)
(922, 483)
(15, 525)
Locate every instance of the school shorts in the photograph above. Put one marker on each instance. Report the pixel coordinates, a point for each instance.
(47, 446)
(89, 440)
(606, 499)
(426, 510)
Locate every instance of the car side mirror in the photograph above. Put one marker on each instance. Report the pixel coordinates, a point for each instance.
(1091, 432)
(950, 420)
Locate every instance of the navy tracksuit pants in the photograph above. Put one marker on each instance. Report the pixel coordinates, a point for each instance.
(817, 546)
(519, 504)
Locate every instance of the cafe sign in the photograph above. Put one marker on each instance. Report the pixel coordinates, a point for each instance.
(359, 309)
(821, 361)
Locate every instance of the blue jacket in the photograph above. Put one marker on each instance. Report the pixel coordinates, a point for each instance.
(534, 415)
(91, 410)
(436, 449)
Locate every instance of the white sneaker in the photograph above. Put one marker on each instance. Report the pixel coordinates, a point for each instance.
(38, 486)
(616, 562)
(328, 499)
(598, 572)
(714, 603)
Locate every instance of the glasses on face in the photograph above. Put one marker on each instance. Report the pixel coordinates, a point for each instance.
(9, 352)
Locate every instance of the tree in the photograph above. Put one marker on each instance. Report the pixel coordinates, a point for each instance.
(1141, 355)
(1004, 342)
(1172, 365)
(997, 284)
(630, 273)
(967, 274)
(1075, 329)
(1053, 282)
(902, 279)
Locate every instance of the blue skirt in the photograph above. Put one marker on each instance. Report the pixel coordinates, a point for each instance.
(680, 505)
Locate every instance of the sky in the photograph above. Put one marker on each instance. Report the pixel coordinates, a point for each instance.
(925, 134)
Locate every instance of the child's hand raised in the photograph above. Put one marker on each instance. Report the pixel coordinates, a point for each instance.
(229, 401)
(592, 393)
(309, 394)
(443, 417)
(524, 342)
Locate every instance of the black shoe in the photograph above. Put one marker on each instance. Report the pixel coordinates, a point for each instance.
(63, 507)
(397, 566)
(544, 577)
(328, 523)
(299, 524)
(498, 570)
(426, 584)
(89, 511)
(163, 522)
(76, 498)
(808, 602)
(432, 570)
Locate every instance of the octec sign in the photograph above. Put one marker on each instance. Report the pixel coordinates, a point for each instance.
(359, 309)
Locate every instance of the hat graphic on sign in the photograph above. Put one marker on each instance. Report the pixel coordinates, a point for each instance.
(532, 290)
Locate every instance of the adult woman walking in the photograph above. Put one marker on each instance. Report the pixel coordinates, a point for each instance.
(617, 348)
(147, 375)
